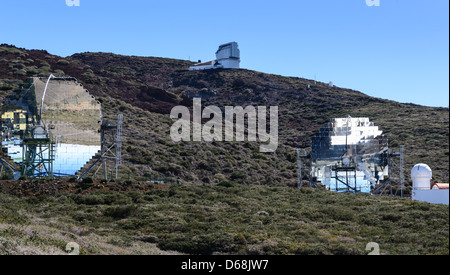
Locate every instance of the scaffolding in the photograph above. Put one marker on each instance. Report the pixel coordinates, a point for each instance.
(111, 150)
(38, 158)
(345, 178)
(396, 165)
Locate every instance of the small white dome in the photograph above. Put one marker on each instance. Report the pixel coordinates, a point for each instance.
(421, 171)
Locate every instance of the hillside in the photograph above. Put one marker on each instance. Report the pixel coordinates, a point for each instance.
(223, 220)
(145, 89)
(227, 202)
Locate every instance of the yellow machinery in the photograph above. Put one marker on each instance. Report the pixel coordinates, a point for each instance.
(17, 120)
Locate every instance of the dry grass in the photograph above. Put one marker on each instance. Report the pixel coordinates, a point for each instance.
(244, 220)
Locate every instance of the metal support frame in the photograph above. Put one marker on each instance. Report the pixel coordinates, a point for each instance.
(7, 167)
(299, 169)
(396, 170)
(119, 144)
(350, 173)
(43, 97)
(111, 149)
(402, 169)
(304, 167)
(38, 156)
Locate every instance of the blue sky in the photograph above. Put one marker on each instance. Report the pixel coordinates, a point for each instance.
(398, 50)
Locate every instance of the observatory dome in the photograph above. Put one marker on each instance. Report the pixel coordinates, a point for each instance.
(421, 175)
(421, 171)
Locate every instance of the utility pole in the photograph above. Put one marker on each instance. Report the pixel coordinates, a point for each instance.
(402, 169)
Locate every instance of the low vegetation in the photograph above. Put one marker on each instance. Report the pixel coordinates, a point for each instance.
(225, 219)
(227, 202)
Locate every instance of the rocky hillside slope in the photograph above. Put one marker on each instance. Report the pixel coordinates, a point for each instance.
(145, 89)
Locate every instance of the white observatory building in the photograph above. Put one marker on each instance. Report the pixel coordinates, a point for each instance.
(228, 56)
(421, 175)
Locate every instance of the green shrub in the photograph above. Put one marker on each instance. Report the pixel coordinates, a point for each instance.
(63, 62)
(120, 212)
(89, 199)
(199, 245)
(5, 87)
(225, 183)
(238, 176)
(86, 183)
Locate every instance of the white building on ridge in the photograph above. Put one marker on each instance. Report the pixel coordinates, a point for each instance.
(227, 57)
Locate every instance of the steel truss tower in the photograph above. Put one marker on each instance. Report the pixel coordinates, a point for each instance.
(396, 164)
(38, 157)
(111, 150)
